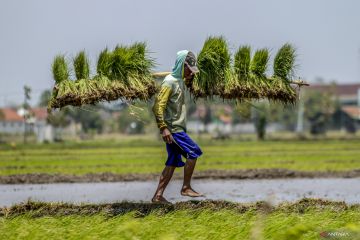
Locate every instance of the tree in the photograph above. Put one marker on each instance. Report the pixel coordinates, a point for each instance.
(26, 106)
(319, 107)
(283, 114)
(260, 119)
(204, 114)
(88, 116)
(44, 98)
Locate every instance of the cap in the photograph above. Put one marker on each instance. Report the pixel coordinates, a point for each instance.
(190, 61)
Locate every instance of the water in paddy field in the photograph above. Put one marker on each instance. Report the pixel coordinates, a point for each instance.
(244, 191)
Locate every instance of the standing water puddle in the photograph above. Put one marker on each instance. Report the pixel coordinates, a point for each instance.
(244, 191)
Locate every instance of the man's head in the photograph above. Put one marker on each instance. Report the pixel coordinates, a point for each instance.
(190, 67)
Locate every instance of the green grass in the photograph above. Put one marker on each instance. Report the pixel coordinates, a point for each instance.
(144, 156)
(303, 220)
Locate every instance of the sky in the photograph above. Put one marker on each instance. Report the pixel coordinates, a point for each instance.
(326, 34)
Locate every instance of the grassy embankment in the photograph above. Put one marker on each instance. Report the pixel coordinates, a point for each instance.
(306, 219)
(143, 156)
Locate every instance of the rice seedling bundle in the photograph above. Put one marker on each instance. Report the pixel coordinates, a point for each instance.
(60, 69)
(81, 66)
(240, 85)
(246, 78)
(123, 73)
(215, 68)
(283, 67)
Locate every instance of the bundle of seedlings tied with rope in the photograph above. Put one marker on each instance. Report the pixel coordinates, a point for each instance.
(214, 64)
(245, 78)
(123, 73)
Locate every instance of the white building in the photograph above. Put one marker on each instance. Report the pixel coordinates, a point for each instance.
(12, 122)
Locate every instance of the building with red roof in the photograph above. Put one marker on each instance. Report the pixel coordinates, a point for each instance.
(11, 121)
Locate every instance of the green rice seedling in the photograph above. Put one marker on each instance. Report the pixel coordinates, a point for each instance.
(140, 70)
(102, 85)
(82, 73)
(131, 60)
(259, 62)
(84, 92)
(132, 67)
(241, 86)
(123, 73)
(106, 89)
(81, 66)
(250, 72)
(136, 87)
(281, 91)
(60, 69)
(214, 65)
(103, 66)
(102, 80)
(284, 65)
(284, 62)
(258, 66)
(242, 62)
(140, 62)
(67, 94)
(120, 58)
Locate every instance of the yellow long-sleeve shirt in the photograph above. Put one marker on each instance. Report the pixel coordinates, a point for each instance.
(169, 107)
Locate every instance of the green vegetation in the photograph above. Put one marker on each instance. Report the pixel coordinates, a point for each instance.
(259, 63)
(60, 69)
(148, 156)
(242, 62)
(214, 64)
(123, 73)
(81, 66)
(306, 219)
(243, 77)
(284, 62)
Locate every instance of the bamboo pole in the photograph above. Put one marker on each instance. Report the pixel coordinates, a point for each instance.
(160, 74)
(297, 82)
(300, 82)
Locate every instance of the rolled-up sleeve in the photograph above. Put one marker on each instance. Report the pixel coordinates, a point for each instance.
(160, 105)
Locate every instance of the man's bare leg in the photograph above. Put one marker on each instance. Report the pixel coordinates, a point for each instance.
(186, 189)
(163, 182)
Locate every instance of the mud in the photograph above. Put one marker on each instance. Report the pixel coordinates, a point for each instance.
(275, 191)
(208, 174)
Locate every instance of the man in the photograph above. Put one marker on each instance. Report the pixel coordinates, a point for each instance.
(170, 115)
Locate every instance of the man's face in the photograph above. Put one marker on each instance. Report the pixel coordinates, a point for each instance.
(188, 74)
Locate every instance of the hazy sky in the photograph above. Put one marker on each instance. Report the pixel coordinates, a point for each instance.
(325, 32)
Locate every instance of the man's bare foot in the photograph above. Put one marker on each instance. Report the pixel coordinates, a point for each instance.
(159, 199)
(190, 193)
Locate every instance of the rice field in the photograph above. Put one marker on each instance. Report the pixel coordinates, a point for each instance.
(149, 156)
(306, 219)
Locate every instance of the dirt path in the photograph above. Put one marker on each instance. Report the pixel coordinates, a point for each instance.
(242, 191)
(208, 174)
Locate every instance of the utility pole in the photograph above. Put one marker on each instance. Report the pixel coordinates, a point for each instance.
(358, 95)
(27, 91)
(300, 115)
(358, 92)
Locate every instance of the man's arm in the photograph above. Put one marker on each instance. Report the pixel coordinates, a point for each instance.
(159, 108)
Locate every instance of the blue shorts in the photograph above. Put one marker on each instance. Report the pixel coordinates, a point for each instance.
(184, 146)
